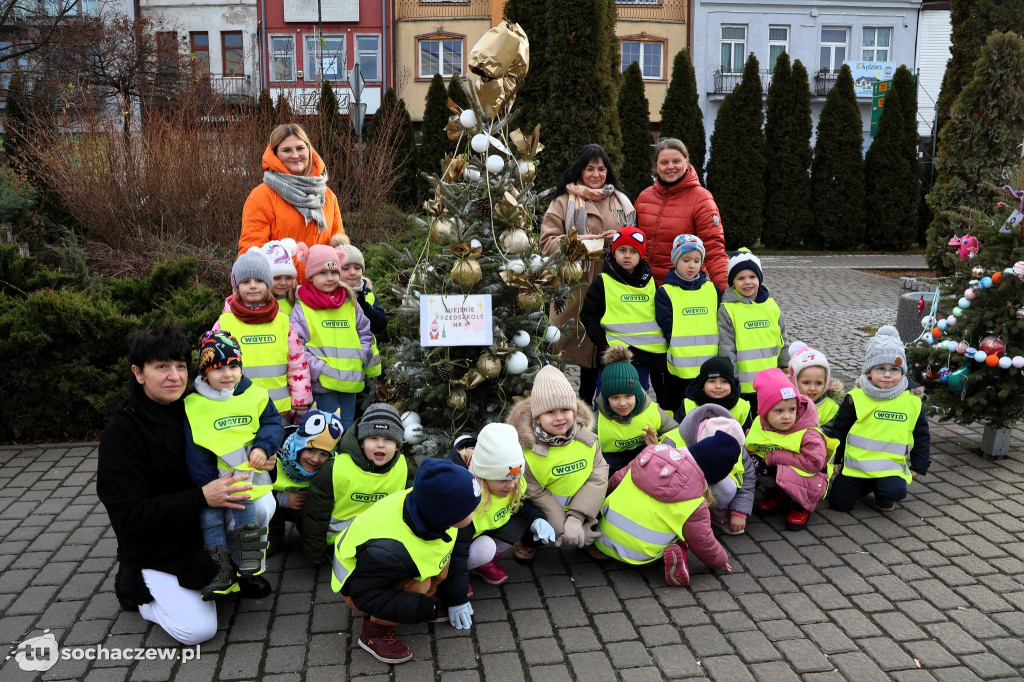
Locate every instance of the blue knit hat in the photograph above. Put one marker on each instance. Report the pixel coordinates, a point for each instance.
(443, 493)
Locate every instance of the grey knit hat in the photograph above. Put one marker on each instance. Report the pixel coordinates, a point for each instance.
(251, 265)
(380, 419)
(885, 348)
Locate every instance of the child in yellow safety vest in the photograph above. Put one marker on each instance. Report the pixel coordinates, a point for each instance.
(810, 373)
(340, 348)
(734, 495)
(301, 457)
(367, 467)
(504, 516)
(686, 308)
(627, 420)
(231, 427)
(619, 309)
(716, 384)
(281, 253)
(394, 558)
(275, 357)
(884, 442)
(566, 475)
(751, 328)
(792, 457)
(657, 507)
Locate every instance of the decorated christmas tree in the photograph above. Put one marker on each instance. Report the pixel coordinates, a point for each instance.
(472, 329)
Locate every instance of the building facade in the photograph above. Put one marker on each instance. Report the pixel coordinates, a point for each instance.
(934, 38)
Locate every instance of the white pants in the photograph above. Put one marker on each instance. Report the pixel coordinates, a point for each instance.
(483, 551)
(265, 508)
(724, 491)
(180, 612)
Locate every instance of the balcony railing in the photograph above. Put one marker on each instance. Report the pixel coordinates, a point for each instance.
(442, 9)
(823, 81)
(651, 10)
(724, 82)
(232, 86)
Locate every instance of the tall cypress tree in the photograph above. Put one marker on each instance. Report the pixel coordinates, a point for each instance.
(787, 138)
(611, 138)
(329, 126)
(283, 110)
(265, 109)
(681, 116)
(736, 166)
(434, 141)
(456, 93)
(837, 173)
(532, 95)
(891, 177)
(981, 138)
(635, 118)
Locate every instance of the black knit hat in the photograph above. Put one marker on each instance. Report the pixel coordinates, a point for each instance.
(716, 456)
(380, 419)
(718, 366)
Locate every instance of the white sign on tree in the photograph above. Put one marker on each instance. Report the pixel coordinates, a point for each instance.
(456, 320)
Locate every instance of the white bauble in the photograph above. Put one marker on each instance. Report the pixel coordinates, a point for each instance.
(414, 434)
(472, 174)
(536, 262)
(479, 143)
(495, 164)
(517, 265)
(520, 339)
(928, 321)
(410, 418)
(1017, 362)
(517, 363)
(1005, 362)
(980, 356)
(468, 119)
(552, 334)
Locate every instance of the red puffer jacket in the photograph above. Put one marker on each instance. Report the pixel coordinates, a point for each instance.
(663, 213)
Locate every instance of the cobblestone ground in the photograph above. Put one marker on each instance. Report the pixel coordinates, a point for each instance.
(933, 591)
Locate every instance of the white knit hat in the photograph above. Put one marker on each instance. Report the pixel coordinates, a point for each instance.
(497, 455)
(801, 356)
(280, 253)
(885, 347)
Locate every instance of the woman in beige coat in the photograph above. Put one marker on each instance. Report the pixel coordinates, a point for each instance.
(587, 198)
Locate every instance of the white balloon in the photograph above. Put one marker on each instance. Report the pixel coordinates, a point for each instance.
(495, 164)
(517, 265)
(468, 119)
(479, 143)
(520, 339)
(552, 334)
(410, 418)
(1005, 362)
(517, 363)
(414, 434)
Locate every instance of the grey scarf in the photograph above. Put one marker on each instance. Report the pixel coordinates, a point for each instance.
(876, 393)
(306, 193)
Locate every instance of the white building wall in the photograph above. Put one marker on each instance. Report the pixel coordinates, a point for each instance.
(932, 54)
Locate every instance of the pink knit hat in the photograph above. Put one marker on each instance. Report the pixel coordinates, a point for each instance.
(772, 387)
(319, 258)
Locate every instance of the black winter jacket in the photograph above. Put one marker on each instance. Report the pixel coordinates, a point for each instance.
(593, 307)
(374, 313)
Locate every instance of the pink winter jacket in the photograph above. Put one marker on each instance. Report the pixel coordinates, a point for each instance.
(299, 385)
(685, 483)
(805, 491)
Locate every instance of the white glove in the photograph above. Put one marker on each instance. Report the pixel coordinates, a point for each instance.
(572, 532)
(543, 531)
(461, 616)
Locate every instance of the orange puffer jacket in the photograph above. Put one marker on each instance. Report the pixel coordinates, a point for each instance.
(266, 216)
(663, 213)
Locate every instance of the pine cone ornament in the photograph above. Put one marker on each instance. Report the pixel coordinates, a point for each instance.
(483, 208)
(403, 278)
(560, 304)
(446, 371)
(401, 389)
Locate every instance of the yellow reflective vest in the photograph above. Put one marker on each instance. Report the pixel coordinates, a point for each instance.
(827, 411)
(757, 332)
(741, 410)
(334, 339)
(356, 490)
(880, 441)
(564, 470)
(629, 316)
(617, 437)
(264, 354)
(383, 521)
(694, 328)
(374, 368)
(498, 510)
(760, 442)
(285, 305)
(284, 483)
(636, 528)
(227, 428)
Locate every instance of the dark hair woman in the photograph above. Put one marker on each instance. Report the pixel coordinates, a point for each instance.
(587, 198)
(152, 503)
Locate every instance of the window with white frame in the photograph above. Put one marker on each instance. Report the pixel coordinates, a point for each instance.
(282, 58)
(645, 52)
(778, 42)
(734, 48)
(875, 46)
(325, 54)
(90, 8)
(368, 56)
(833, 48)
(440, 56)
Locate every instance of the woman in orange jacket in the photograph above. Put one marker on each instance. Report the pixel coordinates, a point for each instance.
(294, 200)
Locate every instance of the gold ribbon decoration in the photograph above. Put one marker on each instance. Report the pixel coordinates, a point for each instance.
(454, 168)
(466, 250)
(577, 249)
(530, 283)
(454, 108)
(530, 146)
(469, 380)
(500, 59)
(454, 129)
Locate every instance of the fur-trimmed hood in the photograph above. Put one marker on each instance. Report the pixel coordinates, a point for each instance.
(521, 417)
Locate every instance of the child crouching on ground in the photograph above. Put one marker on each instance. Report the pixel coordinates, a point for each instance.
(791, 453)
(627, 420)
(810, 373)
(566, 475)
(392, 560)
(882, 429)
(734, 496)
(717, 385)
(504, 516)
(658, 507)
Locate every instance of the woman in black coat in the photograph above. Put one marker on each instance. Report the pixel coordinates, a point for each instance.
(152, 503)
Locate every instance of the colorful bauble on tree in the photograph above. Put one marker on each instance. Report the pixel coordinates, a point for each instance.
(959, 379)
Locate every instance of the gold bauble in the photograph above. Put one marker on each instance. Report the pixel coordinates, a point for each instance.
(466, 272)
(489, 365)
(442, 232)
(570, 273)
(525, 171)
(530, 301)
(457, 399)
(514, 241)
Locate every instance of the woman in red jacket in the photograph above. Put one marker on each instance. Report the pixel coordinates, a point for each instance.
(677, 204)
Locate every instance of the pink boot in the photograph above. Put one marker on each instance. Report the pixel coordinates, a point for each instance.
(491, 573)
(677, 573)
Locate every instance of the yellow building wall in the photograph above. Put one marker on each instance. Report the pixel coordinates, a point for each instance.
(675, 36)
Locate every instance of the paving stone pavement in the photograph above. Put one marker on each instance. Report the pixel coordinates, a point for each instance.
(934, 591)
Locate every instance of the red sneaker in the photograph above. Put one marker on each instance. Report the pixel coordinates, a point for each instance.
(796, 519)
(491, 573)
(381, 643)
(774, 503)
(677, 573)
(469, 591)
